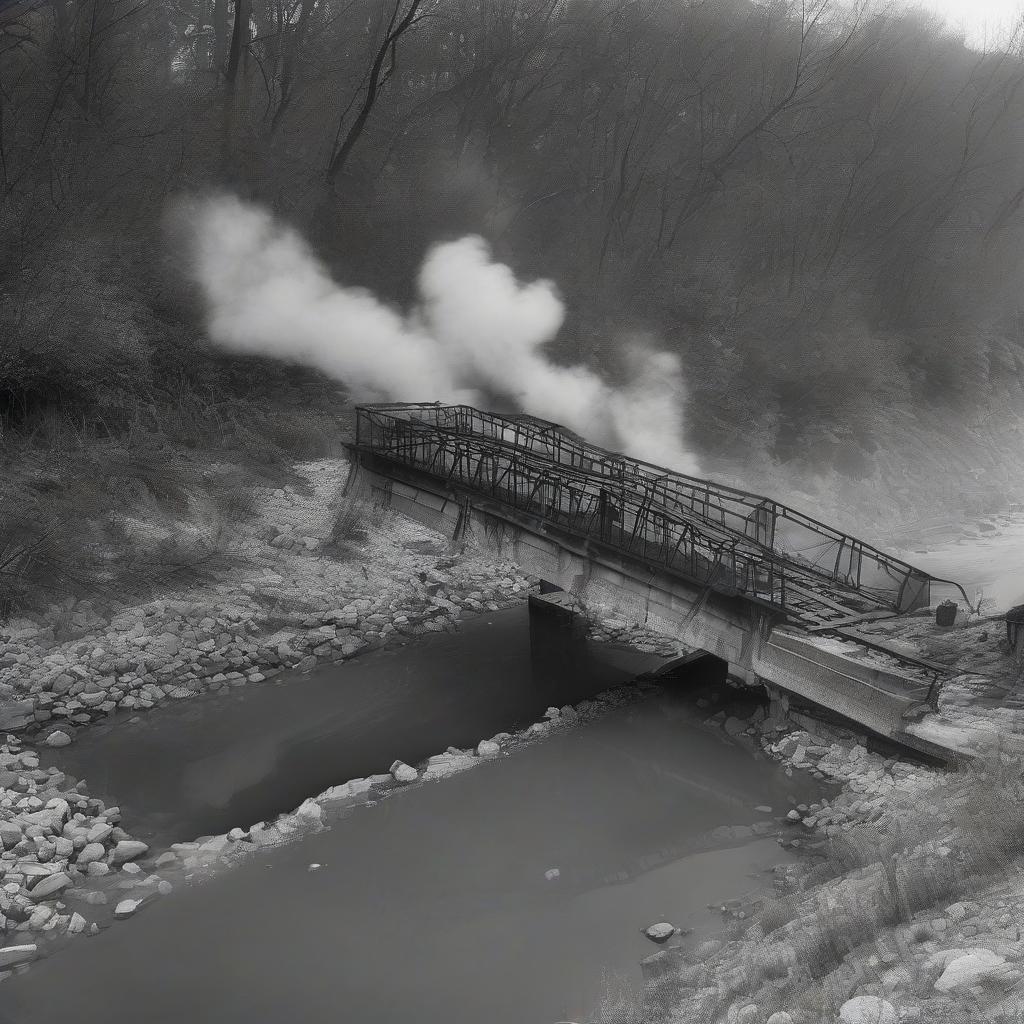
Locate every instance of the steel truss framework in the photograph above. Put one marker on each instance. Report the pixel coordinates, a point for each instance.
(731, 541)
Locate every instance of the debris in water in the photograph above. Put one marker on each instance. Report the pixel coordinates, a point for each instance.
(552, 873)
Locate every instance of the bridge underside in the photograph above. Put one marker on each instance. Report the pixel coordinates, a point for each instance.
(752, 636)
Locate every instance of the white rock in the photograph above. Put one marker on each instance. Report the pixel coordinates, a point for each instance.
(10, 834)
(39, 917)
(346, 791)
(310, 810)
(51, 885)
(660, 932)
(968, 970)
(126, 908)
(440, 766)
(552, 873)
(76, 924)
(58, 739)
(868, 1010)
(10, 956)
(127, 849)
(99, 832)
(91, 852)
(781, 1017)
(487, 748)
(403, 772)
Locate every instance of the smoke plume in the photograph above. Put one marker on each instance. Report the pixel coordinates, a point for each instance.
(474, 331)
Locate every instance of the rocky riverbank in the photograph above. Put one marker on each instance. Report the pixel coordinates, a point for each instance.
(907, 908)
(294, 598)
(286, 604)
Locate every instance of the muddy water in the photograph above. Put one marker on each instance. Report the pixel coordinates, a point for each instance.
(206, 765)
(433, 906)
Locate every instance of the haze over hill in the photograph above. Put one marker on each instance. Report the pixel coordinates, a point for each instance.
(812, 216)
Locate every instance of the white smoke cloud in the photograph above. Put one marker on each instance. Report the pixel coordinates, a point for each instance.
(474, 328)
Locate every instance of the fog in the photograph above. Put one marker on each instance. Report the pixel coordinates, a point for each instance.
(475, 331)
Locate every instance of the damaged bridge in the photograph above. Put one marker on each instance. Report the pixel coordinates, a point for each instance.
(739, 576)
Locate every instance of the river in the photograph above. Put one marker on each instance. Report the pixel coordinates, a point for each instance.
(433, 905)
(207, 764)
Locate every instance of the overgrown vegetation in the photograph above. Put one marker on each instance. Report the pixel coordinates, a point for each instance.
(111, 511)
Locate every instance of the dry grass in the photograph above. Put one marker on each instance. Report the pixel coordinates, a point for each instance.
(113, 511)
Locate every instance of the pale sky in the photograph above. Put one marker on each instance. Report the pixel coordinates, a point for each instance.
(980, 20)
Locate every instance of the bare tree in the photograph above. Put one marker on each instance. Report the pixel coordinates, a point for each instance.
(403, 17)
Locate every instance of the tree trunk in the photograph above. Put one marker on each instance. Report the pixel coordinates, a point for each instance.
(239, 40)
(220, 37)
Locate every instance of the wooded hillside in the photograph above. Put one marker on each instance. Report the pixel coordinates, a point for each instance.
(820, 211)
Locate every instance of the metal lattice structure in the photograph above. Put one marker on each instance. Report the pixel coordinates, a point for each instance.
(728, 540)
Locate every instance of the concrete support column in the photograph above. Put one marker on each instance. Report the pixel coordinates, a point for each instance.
(778, 704)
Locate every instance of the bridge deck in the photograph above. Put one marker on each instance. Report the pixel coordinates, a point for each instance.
(729, 541)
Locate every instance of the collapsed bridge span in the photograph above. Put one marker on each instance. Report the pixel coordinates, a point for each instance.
(739, 575)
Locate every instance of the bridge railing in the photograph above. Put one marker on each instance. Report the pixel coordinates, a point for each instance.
(756, 522)
(577, 503)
